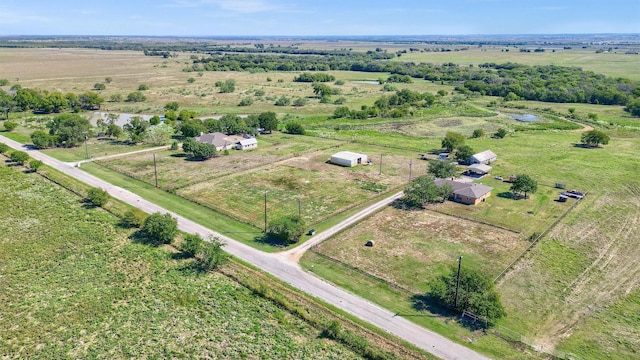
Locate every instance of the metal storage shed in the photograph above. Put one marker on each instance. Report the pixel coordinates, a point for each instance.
(348, 158)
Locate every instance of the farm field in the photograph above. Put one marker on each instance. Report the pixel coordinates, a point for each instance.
(577, 265)
(576, 291)
(87, 290)
(289, 168)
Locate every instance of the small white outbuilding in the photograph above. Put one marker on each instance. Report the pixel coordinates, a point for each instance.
(348, 158)
(245, 144)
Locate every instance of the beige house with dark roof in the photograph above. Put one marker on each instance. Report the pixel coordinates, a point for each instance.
(465, 192)
(219, 140)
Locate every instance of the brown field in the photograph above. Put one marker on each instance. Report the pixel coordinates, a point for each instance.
(413, 247)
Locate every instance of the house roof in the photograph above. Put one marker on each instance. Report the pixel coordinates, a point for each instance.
(484, 156)
(480, 167)
(471, 190)
(349, 155)
(217, 139)
(250, 141)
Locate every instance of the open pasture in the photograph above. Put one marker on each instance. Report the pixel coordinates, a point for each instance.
(323, 189)
(412, 248)
(176, 171)
(614, 64)
(86, 290)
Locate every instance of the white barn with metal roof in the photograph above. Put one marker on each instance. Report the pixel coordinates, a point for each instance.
(348, 158)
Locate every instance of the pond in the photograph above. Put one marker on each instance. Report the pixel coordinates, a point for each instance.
(120, 120)
(370, 82)
(525, 117)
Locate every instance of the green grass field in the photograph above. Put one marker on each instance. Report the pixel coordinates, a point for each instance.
(576, 291)
(86, 290)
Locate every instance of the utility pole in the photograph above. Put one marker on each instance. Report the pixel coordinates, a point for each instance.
(265, 211)
(86, 146)
(410, 163)
(455, 304)
(299, 210)
(155, 168)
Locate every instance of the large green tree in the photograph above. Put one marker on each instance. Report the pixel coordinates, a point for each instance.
(268, 121)
(452, 140)
(463, 153)
(43, 140)
(136, 128)
(288, 229)
(524, 184)
(90, 100)
(192, 128)
(158, 134)
(70, 129)
(594, 138)
(420, 191)
(476, 293)
(442, 168)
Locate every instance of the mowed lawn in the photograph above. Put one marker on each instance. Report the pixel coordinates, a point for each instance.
(75, 286)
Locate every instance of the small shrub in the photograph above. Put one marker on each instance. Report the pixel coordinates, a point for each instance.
(143, 87)
(295, 127)
(99, 86)
(300, 102)
(160, 228)
(35, 165)
(246, 102)
(174, 146)
(212, 255)
(97, 196)
(283, 101)
(477, 133)
(4, 148)
(192, 244)
(191, 80)
(133, 218)
(4, 82)
(108, 80)
(19, 157)
(339, 82)
(10, 125)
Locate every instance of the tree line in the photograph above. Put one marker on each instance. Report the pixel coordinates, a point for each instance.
(548, 83)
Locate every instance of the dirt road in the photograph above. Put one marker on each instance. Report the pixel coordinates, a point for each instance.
(284, 269)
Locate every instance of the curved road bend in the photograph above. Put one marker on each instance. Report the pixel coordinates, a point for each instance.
(284, 269)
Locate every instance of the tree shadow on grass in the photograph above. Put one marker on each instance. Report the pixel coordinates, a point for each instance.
(139, 237)
(271, 240)
(399, 204)
(505, 195)
(585, 146)
(179, 155)
(192, 267)
(428, 303)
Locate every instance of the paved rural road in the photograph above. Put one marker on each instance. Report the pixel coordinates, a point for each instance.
(284, 269)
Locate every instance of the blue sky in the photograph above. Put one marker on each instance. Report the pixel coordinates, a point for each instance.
(317, 18)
